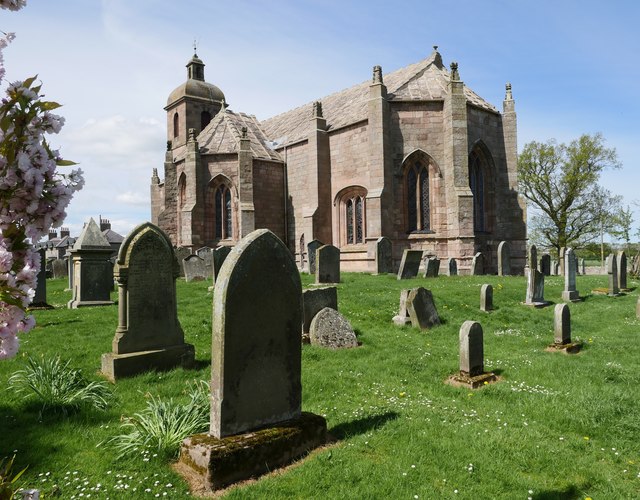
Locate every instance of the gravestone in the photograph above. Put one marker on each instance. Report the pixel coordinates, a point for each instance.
(555, 268)
(545, 264)
(384, 258)
(486, 298)
(422, 309)
(562, 330)
(40, 298)
(410, 264)
(402, 318)
(256, 421)
(472, 374)
(312, 247)
(570, 293)
(535, 281)
(314, 300)
(561, 253)
(477, 264)
(206, 254)
(327, 264)
(504, 259)
(431, 267)
(612, 270)
(452, 267)
(149, 335)
(331, 329)
(195, 268)
(93, 274)
(69, 261)
(219, 256)
(583, 267)
(622, 269)
(181, 254)
(60, 268)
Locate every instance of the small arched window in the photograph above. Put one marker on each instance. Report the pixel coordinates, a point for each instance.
(351, 206)
(205, 118)
(176, 125)
(418, 203)
(223, 212)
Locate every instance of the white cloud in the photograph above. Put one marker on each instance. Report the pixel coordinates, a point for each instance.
(134, 198)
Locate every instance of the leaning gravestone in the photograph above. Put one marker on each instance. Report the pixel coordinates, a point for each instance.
(93, 274)
(314, 300)
(181, 254)
(504, 259)
(384, 258)
(40, 298)
(312, 248)
(570, 293)
(422, 309)
(331, 329)
(149, 335)
(431, 267)
(410, 264)
(472, 374)
(195, 268)
(327, 264)
(402, 318)
(486, 298)
(535, 281)
(219, 256)
(622, 269)
(256, 421)
(562, 330)
(477, 264)
(545, 264)
(452, 267)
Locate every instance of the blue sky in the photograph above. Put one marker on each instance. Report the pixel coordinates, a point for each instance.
(112, 64)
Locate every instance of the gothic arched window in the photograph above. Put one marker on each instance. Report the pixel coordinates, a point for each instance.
(223, 212)
(477, 185)
(418, 204)
(351, 206)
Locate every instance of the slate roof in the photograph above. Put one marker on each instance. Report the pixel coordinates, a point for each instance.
(222, 135)
(424, 80)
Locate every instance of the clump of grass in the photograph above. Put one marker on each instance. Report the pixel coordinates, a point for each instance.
(162, 425)
(7, 482)
(58, 387)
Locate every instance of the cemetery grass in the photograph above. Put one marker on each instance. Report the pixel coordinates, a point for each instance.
(554, 426)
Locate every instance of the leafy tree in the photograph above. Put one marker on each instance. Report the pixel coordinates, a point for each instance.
(622, 221)
(561, 183)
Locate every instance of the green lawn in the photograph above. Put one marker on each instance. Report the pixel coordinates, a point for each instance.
(554, 426)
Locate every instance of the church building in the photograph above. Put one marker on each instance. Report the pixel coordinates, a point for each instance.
(413, 155)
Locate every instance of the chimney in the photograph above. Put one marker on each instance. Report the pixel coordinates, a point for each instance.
(52, 234)
(64, 231)
(104, 224)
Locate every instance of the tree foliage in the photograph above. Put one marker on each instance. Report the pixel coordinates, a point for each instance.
(561, 183)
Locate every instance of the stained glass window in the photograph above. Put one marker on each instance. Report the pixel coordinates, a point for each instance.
(425, 222)
(411, 200)
(418, 203)
(219, 213)
(476, 184)
(353, 214)
(359, 235)
(349, 221)
(227, 212)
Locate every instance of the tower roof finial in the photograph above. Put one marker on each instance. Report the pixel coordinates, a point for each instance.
(195, 47)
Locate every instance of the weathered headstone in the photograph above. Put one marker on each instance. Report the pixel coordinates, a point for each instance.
(331, 329)
(612, 270)
(206, 254)
(431, 267)
(219, 256)
(570, 293)
(316, 299)
(622, 269)
(422, 309)
(452, 267)
(562, 330)
(504, 259)
(486, 298)
(195, 268)
(312, 247)
(410, 264)
(477, 264)
(149, 335)
(535, 281)
(384, 258)
(40, 298)
(327, 264)
(256, 421)
(181, 254)
(402, 318)
(93, 274)
(545, 264)
(472, 374)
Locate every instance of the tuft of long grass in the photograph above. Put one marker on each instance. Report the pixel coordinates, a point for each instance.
(163, 424)
(57, 387)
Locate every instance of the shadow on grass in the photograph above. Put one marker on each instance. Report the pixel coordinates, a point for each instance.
(568, 493)
(199, 364)
(361, 425)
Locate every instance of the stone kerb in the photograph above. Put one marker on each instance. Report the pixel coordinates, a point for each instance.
(149, 335)
(504, 259)
(328, 264)
(256, 421)
(410, 264)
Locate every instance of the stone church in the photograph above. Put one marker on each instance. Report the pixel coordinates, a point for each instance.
(414, 155)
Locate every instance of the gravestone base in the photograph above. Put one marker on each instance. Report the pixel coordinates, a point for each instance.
(571, 296)
(217, 463)
(74, 304)
(465, 380)
(117, 366)
(402, 320)
(571, 348)
(536, 304)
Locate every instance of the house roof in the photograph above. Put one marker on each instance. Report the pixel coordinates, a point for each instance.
(423, 81)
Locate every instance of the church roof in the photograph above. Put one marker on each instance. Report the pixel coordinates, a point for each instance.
(222, 135)
(423, 81)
